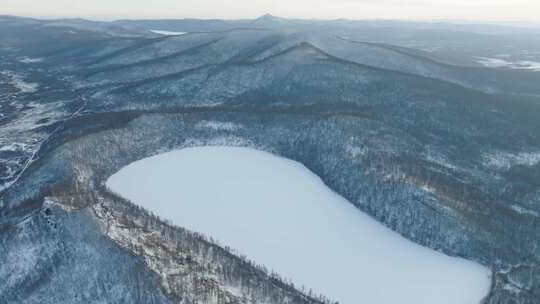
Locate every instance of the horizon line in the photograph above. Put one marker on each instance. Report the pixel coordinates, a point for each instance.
(105, 18)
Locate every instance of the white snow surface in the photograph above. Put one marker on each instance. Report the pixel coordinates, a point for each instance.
(30, 60)
(217, 125)
(167, 33)
(279, 214)
(19, 82)
(517, 65)
(502, 160)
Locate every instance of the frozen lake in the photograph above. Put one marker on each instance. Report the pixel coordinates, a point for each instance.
(167, 33)
(278, 213)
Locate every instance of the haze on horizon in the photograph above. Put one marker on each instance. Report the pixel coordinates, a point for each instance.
(480, 10)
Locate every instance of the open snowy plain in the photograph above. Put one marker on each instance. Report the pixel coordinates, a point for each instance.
(281, 215)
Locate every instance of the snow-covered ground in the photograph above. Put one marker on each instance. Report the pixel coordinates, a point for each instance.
(19, 82)
(167, 33)
(278, 213)
(502, 63)
(30, 60)
(502, 160)
(216, 125)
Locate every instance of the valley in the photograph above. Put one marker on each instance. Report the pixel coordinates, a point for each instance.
(433, 146)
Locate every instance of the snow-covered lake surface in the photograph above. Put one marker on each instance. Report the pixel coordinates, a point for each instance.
(167, 33)
(278, 213)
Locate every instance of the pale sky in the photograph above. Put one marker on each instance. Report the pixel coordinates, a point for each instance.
(487, 10)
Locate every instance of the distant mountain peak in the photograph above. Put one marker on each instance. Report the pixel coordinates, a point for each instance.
(267, 16)
(269, 19)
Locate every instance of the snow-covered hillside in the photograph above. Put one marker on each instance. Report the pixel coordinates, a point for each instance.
(433, 144)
